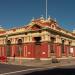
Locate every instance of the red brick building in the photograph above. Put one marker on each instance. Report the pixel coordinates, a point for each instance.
(41, 38)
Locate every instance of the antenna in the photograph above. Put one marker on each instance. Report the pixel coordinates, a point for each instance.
(46, 9)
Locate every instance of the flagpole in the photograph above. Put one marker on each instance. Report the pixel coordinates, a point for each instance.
(46, 10)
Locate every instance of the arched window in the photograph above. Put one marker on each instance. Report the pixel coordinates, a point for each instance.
(8, 42)
(20, 42)
(37, 40)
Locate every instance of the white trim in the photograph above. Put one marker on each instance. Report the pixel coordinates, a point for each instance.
(0, 52)
(25, 51)
(21, 58)
(48, 50)
(45, 58)
(41, 58)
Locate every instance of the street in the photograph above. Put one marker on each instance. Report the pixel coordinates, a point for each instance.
(68, 70)
(7, 69)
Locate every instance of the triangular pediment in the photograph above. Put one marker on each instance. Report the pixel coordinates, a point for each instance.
(35, 27)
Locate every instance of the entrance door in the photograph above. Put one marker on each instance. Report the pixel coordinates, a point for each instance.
(52, 47)
(8, 48)
(37, 51)
(37, 47)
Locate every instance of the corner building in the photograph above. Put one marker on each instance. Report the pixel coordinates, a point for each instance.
(41, 38)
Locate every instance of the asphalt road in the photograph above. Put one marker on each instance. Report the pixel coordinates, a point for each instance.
(67, 70)
(56, 71)
(6, 69)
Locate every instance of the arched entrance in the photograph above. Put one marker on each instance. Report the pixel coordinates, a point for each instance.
(37, 47)
(19, 48)
(8, 48)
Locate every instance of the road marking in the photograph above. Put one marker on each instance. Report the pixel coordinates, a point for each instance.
(27, 70)
(20, 71)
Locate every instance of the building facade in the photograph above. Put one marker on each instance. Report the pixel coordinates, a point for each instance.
(41, 39)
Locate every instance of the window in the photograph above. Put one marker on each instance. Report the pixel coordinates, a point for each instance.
(8, 48)
(62, 46)
(37, 40)
(52, 45)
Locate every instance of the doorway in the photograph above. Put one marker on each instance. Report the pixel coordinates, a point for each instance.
(8, 48)
(37, 47)
(52, 47)
(19, 50)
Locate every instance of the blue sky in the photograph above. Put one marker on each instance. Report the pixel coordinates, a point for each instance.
(14, 13)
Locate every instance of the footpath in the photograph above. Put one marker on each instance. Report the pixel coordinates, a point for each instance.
(49, 63)
(42, 63)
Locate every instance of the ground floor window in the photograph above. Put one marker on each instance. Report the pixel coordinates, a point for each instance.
(52, 45)
(19, 51)
(8, 48)
(62, 46)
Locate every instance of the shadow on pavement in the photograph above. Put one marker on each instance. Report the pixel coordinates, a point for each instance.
(56, 71)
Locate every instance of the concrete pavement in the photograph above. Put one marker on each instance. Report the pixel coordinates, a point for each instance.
(42, 63)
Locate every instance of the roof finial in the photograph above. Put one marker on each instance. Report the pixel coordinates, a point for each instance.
(0, 26)
(55, 20)
(49, 18)
(41, 17)
(32, 19)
